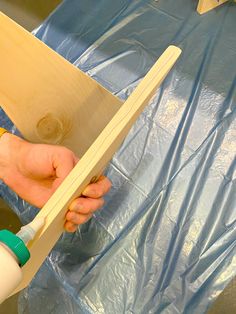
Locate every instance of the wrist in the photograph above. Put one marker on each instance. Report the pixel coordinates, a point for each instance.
(10, 147)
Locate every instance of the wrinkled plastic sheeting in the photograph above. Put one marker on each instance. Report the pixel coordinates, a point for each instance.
(165, 241)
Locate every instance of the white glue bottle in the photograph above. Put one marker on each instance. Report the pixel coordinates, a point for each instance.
(14, 254)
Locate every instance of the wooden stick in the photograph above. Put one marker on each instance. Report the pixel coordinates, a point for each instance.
(207, 5)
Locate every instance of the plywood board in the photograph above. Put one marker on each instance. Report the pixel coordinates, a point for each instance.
(207, 5)
(51, 101)
(95, 159)
(47, 98)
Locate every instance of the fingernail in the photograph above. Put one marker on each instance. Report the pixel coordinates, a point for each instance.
(90, 192)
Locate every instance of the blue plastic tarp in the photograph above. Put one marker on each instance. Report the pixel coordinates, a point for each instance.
(165, 241)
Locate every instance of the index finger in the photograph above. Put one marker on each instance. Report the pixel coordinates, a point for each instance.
(98, 189)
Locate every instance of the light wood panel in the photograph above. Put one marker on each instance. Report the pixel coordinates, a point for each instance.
(49, 99)
(95, 159)
(207, 5)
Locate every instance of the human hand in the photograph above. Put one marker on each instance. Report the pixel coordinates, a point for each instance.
(34, 172)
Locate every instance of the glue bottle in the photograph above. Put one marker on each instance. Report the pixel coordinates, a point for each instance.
(14, 254)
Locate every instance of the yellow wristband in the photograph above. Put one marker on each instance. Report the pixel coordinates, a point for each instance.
(2, 131)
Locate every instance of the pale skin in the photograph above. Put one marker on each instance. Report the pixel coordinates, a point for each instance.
(34, 172)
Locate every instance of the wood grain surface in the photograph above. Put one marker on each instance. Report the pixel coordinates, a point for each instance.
(95, 159)
(47, 98)
(51, 101)
(207, 5)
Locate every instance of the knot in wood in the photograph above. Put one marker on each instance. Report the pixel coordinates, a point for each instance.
(50, 129)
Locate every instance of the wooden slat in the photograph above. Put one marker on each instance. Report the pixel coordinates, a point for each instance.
(49, 99)
(207, 5)
(97, 156)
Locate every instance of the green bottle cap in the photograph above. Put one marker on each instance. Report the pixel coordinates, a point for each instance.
(16, 245)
